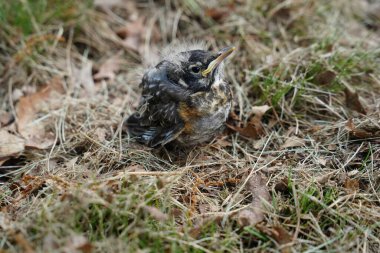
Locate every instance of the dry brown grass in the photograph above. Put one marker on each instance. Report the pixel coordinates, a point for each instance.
(93, 189)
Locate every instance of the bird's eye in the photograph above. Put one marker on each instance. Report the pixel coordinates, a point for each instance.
(195, 69)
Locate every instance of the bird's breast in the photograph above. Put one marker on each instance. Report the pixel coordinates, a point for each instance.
(205, 114)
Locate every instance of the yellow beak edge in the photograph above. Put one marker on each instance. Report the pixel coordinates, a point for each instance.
(223, 55)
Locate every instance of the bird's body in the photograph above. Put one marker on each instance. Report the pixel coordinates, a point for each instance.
(184, 100)
(205, 115)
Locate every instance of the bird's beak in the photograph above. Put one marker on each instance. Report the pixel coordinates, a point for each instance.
(222, 54)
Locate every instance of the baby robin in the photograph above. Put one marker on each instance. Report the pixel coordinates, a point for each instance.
(184, 99)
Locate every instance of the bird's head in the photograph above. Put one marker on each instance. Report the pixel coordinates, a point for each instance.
(198, 69)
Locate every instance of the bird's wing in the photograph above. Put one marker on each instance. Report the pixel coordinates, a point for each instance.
(152, 135)
(157, 121)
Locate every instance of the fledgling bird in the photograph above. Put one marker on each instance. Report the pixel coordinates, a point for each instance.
(184, 99)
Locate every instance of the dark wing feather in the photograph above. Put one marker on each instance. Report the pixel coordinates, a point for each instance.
(156, 121)
(154, 134)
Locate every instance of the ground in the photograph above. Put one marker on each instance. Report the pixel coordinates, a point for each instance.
(297, 169)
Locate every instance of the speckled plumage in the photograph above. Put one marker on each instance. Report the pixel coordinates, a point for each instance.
(179, 102)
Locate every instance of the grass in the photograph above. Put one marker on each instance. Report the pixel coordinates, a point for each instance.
(90, 193)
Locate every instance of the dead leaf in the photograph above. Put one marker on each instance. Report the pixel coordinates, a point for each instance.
(351, 185)
(29, 123)
(361, 133)
(202, 223)
(195, 231)
(332, 147)
(282, 185)
(249, 131)
(254, 128)
(23, 243)
(260, 110)
(133, 34)
(280, 12)
(78, 243)
(292, 142)
(315, 129)
(325, 78)
(10, 145)
(279, 234)
(108, 69)
(223, 143)
(156, 213)
(30, 185)
(254, 214)
(176, 213)
(353, 101)
(217, 14)
(322, 161)
(323, 178)
(207, 207)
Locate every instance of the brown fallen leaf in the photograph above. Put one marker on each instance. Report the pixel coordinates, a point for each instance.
(29, 123)
(156, 213)
(293, 142)
(332, 147)
(108, 69)
(365, 132)
(24, 244)
(133, 34)
(279, 234)
(279, 13)
(282, 236)
(196, 231)
(353, 101)
(10, 145)
(254, 128)
(202, 223)
(29, 185)
(217, 14)
(223, 143)
(78, 243)
(254, 214)
(249, 131)
(325, 78)
(351, 185)
(282, 185)
(176, 213)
